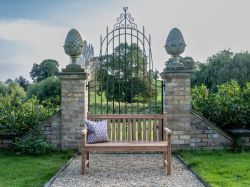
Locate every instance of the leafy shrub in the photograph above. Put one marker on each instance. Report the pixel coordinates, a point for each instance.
(33, 144)
(12, 89)
(229, 107)
(19, 116)
(47, 89)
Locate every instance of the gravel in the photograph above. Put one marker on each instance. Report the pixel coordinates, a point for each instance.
(126, 170)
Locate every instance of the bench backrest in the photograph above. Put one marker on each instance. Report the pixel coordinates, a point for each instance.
(133, 127)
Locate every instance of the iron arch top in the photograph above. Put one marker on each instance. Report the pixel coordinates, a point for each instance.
(125, 20)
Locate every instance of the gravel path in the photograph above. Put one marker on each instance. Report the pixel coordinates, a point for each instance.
(126, 170)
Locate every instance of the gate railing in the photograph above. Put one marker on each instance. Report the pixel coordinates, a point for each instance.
(124, 80)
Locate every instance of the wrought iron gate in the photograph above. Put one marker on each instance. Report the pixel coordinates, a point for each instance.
(123, 79)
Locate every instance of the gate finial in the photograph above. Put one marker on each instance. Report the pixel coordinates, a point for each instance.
(125, 9)
(175, 44)
(73, 45)
(125, 21)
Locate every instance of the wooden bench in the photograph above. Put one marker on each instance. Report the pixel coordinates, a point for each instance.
(131, 133)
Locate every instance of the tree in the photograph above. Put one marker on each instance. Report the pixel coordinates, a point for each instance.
(209, 73)
(3, 89)
(22, 82)
(221, 68)
(124, 75)
(47, 89)
(237, 69)
(47, 68)
(8, 81)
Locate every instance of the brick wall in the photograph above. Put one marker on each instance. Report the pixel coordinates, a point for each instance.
(51, 128)
(206, 135)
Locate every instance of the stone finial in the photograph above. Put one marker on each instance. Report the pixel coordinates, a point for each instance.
(175, 44)
(73, 45)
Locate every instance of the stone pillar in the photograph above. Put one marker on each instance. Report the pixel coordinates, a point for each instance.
(74, 102)
(74, 97)
(178, 105)
(177, 101)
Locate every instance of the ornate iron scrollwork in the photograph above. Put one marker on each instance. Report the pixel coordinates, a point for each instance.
(125, 20)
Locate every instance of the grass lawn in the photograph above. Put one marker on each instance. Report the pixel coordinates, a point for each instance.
(25, 170)
(220, 168)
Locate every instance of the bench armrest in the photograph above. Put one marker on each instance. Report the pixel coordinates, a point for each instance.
(84, 136)
(167, 136)
(167, 131)
(84, 132)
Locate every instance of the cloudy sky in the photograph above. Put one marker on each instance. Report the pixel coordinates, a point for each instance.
(31, 31)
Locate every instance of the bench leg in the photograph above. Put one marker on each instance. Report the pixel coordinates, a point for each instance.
(88, 159)
(169, 162)
(83, 162)
(164, 159)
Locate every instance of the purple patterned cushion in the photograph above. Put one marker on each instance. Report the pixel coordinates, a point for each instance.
(97, 131)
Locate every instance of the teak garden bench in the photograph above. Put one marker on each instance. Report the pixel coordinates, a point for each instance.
(131, 133)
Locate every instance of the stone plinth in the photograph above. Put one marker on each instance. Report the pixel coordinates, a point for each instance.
(177, 103)
(74, 103)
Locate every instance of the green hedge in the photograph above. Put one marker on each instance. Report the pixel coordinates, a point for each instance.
(229, 107)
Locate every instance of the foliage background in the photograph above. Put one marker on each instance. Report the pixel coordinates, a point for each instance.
(229, 107)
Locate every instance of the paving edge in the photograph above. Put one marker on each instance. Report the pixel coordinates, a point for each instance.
(189, 168)
(52, 179)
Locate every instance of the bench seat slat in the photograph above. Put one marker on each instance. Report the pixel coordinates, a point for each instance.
(127, 146)
(132, 143)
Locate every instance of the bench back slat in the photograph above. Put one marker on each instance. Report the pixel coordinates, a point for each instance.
(129, 130)
(139, 129)
(124, 133)
(132, 127)
(160, 128)
(113, 130)
(154, 130)
(149, 130)
(144, 130)
(133, 130)
(109, 128)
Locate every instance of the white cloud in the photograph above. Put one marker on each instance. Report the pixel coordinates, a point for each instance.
(31, 31)
(44, 41)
